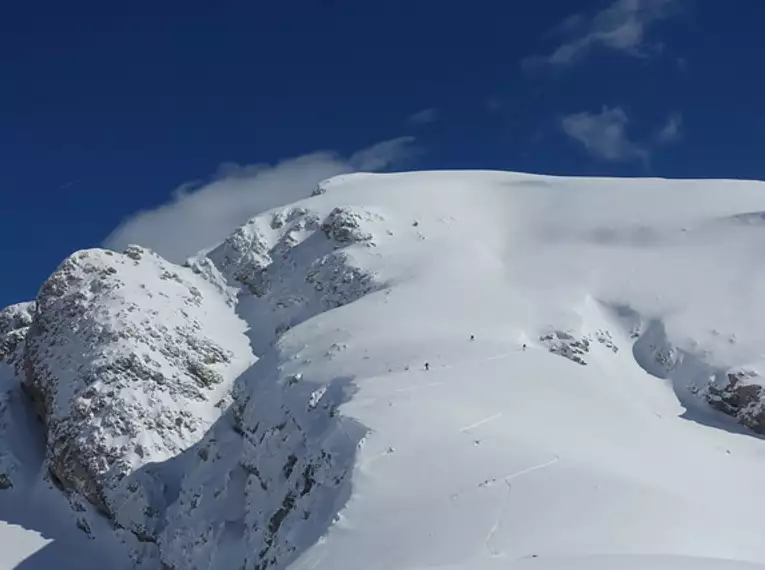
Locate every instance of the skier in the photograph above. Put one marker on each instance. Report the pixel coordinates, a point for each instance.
(524, 348)
(427, 366)
(472, 337)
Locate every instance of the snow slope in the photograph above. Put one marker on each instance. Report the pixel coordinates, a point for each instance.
(580, 428)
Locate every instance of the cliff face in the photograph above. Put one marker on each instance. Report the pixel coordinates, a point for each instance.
(128, 362)
(14, 324)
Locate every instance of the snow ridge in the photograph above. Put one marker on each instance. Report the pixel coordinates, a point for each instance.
(276, 472)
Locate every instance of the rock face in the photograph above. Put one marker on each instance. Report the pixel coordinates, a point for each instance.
(576, 348)
(126, 361)
(740, 395)
(291, 265)
(567, 345)
(261, 492)
(14, 323)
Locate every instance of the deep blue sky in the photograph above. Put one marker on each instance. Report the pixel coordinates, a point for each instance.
(105, 110)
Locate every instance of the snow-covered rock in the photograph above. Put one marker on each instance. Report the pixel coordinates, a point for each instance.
(267, 483)
(127, 362)
(14, 323)
(567, 345)
(740, 394)
(291, 265)
(269, 480)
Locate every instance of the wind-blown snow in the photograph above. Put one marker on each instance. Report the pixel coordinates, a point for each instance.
(580, 427)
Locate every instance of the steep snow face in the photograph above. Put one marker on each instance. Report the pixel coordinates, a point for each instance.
(128, 360)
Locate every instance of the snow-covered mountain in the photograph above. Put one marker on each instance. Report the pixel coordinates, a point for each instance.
(435, 370)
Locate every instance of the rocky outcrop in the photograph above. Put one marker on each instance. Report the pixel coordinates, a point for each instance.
(14, 324)
(576, 348)
(740, 395)
(293, 264)
(604, 337)
(266, 485)
(346, 226)
(9, 464)
(270, 247)
(125, 362)
(267, 481)
(567, 345)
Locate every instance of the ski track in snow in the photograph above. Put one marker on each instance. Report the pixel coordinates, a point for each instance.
(498, 521)
(502, 510)
(481, 422)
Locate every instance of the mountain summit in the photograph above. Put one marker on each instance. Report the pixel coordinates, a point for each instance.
(429, 370)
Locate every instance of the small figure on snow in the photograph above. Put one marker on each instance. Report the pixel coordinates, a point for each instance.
(472, 337)
(427, 366)
(523, 347)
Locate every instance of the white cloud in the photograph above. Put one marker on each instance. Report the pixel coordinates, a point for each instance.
(198, 216)
(623, 27)
(604, 134)
(423, 117)
(672, 130)
(384, 154)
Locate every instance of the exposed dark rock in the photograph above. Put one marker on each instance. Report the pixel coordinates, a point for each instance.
(741, 398)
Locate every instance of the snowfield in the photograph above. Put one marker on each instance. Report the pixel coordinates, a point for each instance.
(451, 371)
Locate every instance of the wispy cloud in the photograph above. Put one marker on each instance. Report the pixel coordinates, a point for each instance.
(383, 155)
(672, 129)
(68, 185)
(422, 117)
(604, 134)
(201, 215)
(624, 26)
